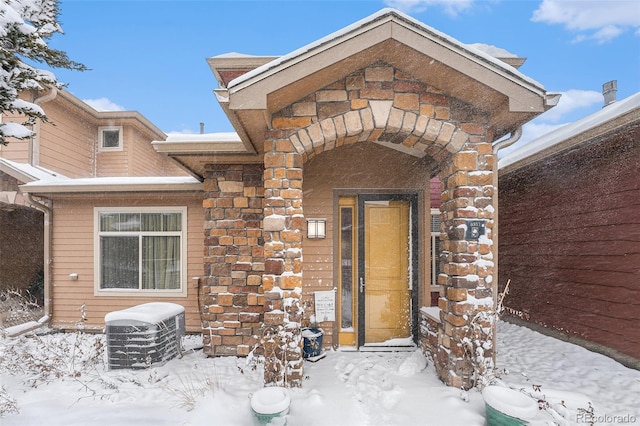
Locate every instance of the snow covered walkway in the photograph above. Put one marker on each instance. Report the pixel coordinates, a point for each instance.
(344, 388)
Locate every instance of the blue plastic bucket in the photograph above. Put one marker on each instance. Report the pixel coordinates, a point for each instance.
(311, 342)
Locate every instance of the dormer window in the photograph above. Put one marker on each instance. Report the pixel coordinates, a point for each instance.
(110, 138)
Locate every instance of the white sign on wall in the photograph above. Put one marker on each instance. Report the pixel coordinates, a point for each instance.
(325, 302)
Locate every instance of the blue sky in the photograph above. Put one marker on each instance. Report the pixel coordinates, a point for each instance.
(150, 56)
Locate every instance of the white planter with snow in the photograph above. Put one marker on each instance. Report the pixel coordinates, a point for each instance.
(506, 406)
(270, 405)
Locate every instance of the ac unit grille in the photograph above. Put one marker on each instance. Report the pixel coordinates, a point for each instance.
(139, 344)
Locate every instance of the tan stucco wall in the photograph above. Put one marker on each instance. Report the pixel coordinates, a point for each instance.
(73, 251)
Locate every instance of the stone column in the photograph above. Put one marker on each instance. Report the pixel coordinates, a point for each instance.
(282, 280)
(231, 301)
(467, 267)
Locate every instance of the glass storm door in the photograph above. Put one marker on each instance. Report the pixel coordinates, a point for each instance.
(378, 264)
(384, 287)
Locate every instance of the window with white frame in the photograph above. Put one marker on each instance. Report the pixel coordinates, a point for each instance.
(435, 248)
(140, 249)
(110, 138)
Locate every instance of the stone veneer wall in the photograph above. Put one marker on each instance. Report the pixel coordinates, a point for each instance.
(284, 224)
(467, 266)
(232, 303)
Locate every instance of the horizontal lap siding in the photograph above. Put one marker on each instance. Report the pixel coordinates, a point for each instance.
(73, 253)
(67, 145)
(113, 163)
(137, 157)
(145, 161)
(570, 242)
(16, 150)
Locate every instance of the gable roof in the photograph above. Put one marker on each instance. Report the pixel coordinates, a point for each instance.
(611, 119)
(253, 87)
(371, 23)
(460, 70)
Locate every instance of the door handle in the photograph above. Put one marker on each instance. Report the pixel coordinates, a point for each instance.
(362, 284)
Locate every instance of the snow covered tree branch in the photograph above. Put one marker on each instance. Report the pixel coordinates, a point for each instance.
(25, 28)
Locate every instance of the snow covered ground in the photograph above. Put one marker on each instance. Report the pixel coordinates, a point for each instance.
(344, 388)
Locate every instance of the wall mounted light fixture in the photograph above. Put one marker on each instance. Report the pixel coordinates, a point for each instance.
(316, 228)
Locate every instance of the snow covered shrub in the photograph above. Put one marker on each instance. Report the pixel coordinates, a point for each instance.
(282, 345)
(192, 388)
(478, 344)
(17, 308)
(39, 360)
(44, 358)
(565, 407)
(8, 405)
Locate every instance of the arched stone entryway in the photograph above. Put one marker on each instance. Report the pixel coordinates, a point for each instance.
(387, 80)
(384, 105)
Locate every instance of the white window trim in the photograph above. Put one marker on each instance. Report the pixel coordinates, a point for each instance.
(102, 148)
(98, 291)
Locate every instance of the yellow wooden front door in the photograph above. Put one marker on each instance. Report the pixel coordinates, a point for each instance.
(387, 293)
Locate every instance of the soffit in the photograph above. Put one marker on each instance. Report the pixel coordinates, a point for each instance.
(230, 66)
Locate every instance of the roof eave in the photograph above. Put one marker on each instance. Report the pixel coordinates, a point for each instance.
(19, 175)
(599, 131)
(199, 147)
(70, 188)
(135, 116)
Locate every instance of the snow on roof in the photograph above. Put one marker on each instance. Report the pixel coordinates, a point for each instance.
(115, 184)
(368, 20)
(235, 55)
(496, 52)
(39, 179)
(28, 173)
(204, 137)
(153, 312)
(584, 125)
